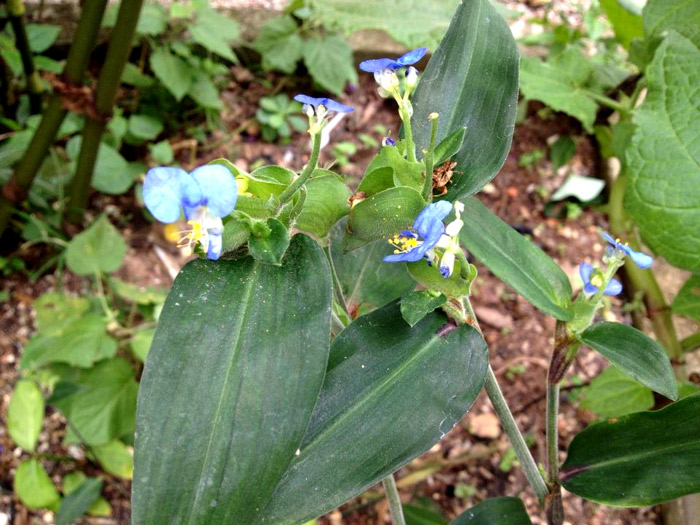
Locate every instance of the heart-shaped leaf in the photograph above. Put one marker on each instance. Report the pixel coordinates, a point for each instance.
(235, 369)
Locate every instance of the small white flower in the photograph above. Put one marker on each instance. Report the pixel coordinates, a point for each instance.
(411, 76)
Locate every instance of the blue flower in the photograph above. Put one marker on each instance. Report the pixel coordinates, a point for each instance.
(640, 259)
(372, 66)
(412, 246)
(328, 103)
(591, 281)
(388, 141)
(206, 195)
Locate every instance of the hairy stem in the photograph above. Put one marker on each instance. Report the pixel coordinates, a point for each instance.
(392, 495)
(289, 192)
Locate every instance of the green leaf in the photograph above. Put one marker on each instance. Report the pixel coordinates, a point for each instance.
(161, 152)
(269, 180)
(641, 459)
(416, 305)
(405, 172)
(279, 44)
(326, 203)
(99, 402)
(232, 397)
(329, 61)
(475, 73)
(626, 25)
(100, 507)
(111, 172)
(116, 458)
(563, 150)
(80, 343)
(141, 343)
(561, 82)
(137, 294)
(449, 146)
(383, 377)
(133, 76)
(682, 16)
(41, 36)
(99, 249)
(376, 179)
(25, 414)
(615, 394)
(665, 203)
(214, 31)
(54, 311)
(34, 487)
(173, 72)
(270, 249)
(382, 215)
(432, 279)
(687, 302)
(583, 188)
(145, 127)
(153, 20)
(515, 260)
(204, 92)
(364, 277)
(79, 501)
(635, 354)
(413, 23)
(504, 511)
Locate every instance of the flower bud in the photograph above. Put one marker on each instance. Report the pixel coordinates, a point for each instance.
(387, 79)
(388, 141)
(433, 116)
(411, 76)
(308, 110)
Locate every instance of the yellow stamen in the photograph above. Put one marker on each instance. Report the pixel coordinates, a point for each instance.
(404, 243)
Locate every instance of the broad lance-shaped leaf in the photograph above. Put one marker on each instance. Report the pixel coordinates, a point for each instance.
(501, 511)
(391, 392)
(635, 354)
(687, 302)
(235, 369)
(663, 192)
(641, 459)
(515, 260)
(472, 81)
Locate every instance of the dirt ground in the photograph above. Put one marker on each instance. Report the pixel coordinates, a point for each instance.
(474, 457)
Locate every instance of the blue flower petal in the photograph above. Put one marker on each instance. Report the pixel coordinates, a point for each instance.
(614, 287)
(218, 187)
(329, 103)
(412, 56)
(430, 215)
(585, 271)
(640, 259)
(215, 246)
(372, 66)
(164, 191)
(609, 238)
(590, 288)
(411, 256)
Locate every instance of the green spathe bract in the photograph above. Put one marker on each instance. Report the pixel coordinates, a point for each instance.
(234, 372)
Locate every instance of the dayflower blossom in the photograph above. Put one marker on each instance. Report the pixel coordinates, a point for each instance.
(620, 250)
(317, 109)
(206, 195)
(594, 279)
(430, 233)
(412, 246)
(410, 58)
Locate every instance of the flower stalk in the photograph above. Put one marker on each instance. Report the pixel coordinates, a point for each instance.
(295, 186)
(392, 496)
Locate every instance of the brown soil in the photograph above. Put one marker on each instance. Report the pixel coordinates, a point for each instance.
(519, 336)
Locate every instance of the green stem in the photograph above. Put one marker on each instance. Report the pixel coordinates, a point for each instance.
(552, 433)
(107, 86)
(15, 190)
(690, 343)
(15, 9)
(408, 133)
(289, 192)
(392, 495)
(337, 287)
(607, 101)
(429, 161)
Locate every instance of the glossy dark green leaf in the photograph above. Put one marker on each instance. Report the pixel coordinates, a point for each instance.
(687, 302)
(326, 203)
(416, 305)
(229, 386)
(79, 501)
(501, 511)
(635, 354)
(367, 280)
(641, 459)
(515, 260)
(471, 80)
(383, 378)
(382, 215)
(270, 249)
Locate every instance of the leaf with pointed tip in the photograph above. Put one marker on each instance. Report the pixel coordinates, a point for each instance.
(471, 80)
(383, 378)
(503, 511)
(229, 386)
(638, 460)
